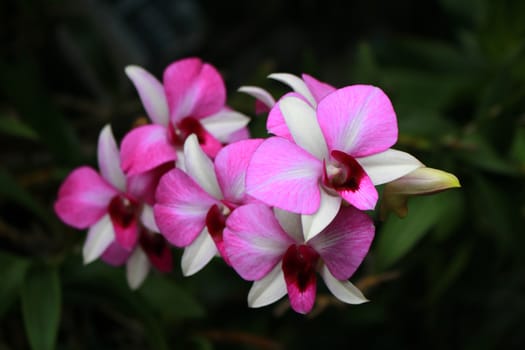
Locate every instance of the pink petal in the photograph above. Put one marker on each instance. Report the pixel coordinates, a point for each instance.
(318, 89)
(157, 250)
(126, 236)
(115, 255)
(275, 122)
(241, 134)
(230, 166)
(109, 159)
(145, 148)
(345, 242)
(83, 198)
(358, 120)
(282, 174)
(151, 94)
(254, 241)
(181, 208)
(193, 88)
(299, 267)
(142, 186)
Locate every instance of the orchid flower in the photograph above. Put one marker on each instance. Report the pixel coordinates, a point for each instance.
(338, 151)
(115, 209)
(190, 100)
(418, 182)
(267, 246)
(192, 205)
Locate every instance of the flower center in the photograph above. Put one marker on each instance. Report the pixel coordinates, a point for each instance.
(122, 210)
(344, 174)
(216, 222)
(299, 264)
(177, 135)
(157, 250)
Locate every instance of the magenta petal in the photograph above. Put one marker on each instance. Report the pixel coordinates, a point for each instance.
(83, 198)
(126, 235)
(145, 148)
(345, 242)
(364, 198)
(230, 166)
(299, 267)
(193, 88)
(142, 186)
(275, 122)
(115, 255)
(254, 241)
(358, 120)
(181, 208)
(283, 175)
(157, 250)
(318, 89)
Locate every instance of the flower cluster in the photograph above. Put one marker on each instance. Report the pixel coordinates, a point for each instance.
(278, 210)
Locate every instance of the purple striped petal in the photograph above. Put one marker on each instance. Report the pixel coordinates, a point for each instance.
(282, 174)
(344, 244)
(358, 120)
(181, 209)
(193, 88)
(83, 198)
(145, 148)
(254, 241)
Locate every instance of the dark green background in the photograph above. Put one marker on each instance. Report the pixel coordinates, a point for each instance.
(455, 71)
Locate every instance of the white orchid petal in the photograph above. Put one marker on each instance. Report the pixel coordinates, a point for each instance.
(315, 223)
(148, 218)
(268, 289)
(198, 254)
(302, 122)
(259, 94)
(291, 223)
(296, 83)
(342, 290)
(137, 268)
(151, 93)
(388, 165)
(224, 123)
(99, 237)
(109, 159)
(199, 167)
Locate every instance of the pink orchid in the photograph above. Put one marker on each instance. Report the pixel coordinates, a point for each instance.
(190, 100)
(267, 246)
(192, 205)
(114, 208)
(336, 151)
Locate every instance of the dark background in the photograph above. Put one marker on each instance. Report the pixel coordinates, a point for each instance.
(450, 275)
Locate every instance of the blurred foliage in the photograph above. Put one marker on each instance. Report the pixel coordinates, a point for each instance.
(449, 275)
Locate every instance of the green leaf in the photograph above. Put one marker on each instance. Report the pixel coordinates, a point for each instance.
(161, 291)
(15, 127)
(41, 303)
(398, 236)
(12, 273)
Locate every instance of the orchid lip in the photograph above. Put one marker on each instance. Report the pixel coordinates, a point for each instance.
(178, 133)
(216, 222)
(123, 210)
(343, 172)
